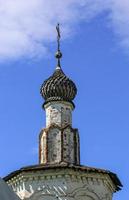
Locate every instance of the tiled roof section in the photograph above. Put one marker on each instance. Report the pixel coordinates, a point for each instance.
(58, 87)
(86, 169)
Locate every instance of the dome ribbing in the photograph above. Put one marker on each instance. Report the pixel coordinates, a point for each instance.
(58, 87)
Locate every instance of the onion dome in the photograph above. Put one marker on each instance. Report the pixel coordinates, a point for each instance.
(58, 87)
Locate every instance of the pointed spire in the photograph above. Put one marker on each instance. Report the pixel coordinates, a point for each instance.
(58, 54)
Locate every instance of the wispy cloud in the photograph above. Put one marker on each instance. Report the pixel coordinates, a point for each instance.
(119, 17)
(26, 26)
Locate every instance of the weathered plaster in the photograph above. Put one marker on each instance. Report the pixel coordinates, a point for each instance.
(59, 142)
(59, 113)
(62, 185)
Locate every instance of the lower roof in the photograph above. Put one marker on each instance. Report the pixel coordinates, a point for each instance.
(112, 175)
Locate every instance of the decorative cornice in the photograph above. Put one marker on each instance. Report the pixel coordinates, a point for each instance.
(83, 184)
(80, 171)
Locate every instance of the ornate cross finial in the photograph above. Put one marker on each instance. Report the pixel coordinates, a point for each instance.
(58, 53)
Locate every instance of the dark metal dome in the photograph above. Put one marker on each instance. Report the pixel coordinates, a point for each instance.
(58, 87)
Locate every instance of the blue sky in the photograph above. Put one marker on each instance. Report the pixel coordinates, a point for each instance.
(96, 59)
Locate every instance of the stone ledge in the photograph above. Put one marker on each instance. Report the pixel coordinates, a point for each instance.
(44, 170)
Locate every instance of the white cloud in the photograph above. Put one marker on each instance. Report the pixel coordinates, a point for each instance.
(27, 25)
(120, 21)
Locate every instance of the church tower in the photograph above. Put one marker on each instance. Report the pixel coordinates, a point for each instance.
(59, 142)
(59, 174)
